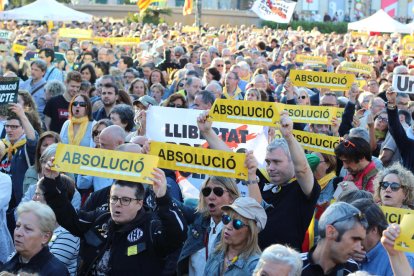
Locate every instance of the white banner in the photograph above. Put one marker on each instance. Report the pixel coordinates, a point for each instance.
(179, 125)
(403, 83)
(274, 10)
(5, 34)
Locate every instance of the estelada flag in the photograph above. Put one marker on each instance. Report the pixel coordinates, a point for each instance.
(144, 4)
(188, 7)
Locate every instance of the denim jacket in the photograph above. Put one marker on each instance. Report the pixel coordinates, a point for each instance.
(195, 241)
(241, 267)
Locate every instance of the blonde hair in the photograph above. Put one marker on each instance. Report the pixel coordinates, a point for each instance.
(405, 176)
(227, 183)
(46, 216)
(251, 246)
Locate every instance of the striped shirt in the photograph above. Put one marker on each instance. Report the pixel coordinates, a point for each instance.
(65, 247)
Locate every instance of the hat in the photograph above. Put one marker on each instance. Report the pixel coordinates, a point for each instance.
(313, 161)
(146, 101)
(248, 208)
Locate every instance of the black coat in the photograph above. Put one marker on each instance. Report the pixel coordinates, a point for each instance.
(42, 264)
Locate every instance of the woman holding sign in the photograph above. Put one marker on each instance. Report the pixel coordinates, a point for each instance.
(238, 251)
(394, 187)
(78, 129)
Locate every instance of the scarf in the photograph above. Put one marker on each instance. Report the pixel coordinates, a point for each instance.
(12, 148)
(235, 96)
(323, 182)
(380, 135)
(276, 188)
(75, 140)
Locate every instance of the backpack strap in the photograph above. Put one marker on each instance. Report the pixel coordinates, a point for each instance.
(37, 89)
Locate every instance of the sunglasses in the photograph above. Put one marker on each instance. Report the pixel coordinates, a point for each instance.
(81, 104)
(95, 133)
(237, 224)
(175, 105)
(218, 191)
(360, 216)
(393, 185)
(348, 143)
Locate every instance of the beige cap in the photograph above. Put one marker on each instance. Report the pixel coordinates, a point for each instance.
(249, 208)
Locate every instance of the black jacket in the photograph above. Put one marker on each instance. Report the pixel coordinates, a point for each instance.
(42, 264)
(136, 248)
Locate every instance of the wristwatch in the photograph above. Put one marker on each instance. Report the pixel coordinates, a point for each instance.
(391, 106)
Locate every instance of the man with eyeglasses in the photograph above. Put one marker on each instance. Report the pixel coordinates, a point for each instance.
(356, 155)
(20, 145)
(127, 240)
(342, 228)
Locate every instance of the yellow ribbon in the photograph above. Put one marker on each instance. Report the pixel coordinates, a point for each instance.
(12, 148)
(76, 139)
(325, 180)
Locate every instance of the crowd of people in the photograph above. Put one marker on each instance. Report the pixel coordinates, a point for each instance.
(287, 224)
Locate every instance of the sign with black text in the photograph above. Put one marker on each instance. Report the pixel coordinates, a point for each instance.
(8, 90)
(403, 83)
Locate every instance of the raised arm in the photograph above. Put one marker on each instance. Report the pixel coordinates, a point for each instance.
(27, 126)
(303, 171)
(208, 133)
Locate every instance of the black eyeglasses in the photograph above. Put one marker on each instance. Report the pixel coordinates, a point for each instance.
(237, 224)
(393, 185)
(360, 216)
(175, 105)
(81, 104)
(218, 191)
(382, 119)
(11, 126)
(125, 201)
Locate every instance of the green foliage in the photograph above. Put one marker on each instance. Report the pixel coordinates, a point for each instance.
(152, 15)
(323, 27)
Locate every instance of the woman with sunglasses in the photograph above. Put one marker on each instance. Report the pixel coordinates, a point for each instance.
(78, 129)
(303, 96)
(176, 100)
(97, 129)
(394, 187)
(238, 251)
(205, 224)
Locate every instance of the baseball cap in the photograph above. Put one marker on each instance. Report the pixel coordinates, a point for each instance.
(146, 101)
(248, 208)
(313, 161)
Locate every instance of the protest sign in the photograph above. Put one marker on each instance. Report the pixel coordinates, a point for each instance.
(408, 53)
(311, 59)
(200, 160)
(394, 215)
(18, 49)
(75, 33)
(405, 241)
(315, 142)
(311, 79)
(9, 87)
(163, 125)
(358, 34)
(356, 67)
(31, 55)
(189, 29)
(277, 11)
(4, 34)
(403, 83)
(309, 114)
(105, 163)
(244, 112)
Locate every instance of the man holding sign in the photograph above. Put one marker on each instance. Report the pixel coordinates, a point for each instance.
(127, 240)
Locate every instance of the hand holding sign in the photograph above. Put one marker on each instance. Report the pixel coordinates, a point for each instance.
(160, 182)
(17, 109)
(286, 125)
(251, 164)
(47, 170)
(389, 236)
(391, 96)
(204, 125)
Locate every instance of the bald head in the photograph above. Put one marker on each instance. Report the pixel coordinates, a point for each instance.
(111, 137)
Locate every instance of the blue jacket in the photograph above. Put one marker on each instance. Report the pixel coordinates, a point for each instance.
(242, 267)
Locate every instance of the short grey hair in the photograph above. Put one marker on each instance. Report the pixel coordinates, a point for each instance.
(39, 63)
(279, 143)
(55, 88)
(46, 216)
(359, 132)
(215, 85)
(280, 254)
(338, 211)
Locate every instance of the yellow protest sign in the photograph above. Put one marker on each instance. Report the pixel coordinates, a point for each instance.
(314, 142)
(244, 112)
(358, 34)
(394, 215)
(408, 53)
(361, 83)
(200, 160)
(309, 114)
(189, 29)
(405, 241)
(312, 79)
(124, 40)
(311, 59)
(18, 49)
(365, 52)
(356, 67)
(75, 33)
(105, 163)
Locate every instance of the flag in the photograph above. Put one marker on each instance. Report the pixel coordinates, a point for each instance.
(279, 11)
(390, 6)
(144, 4)
(188, 7)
